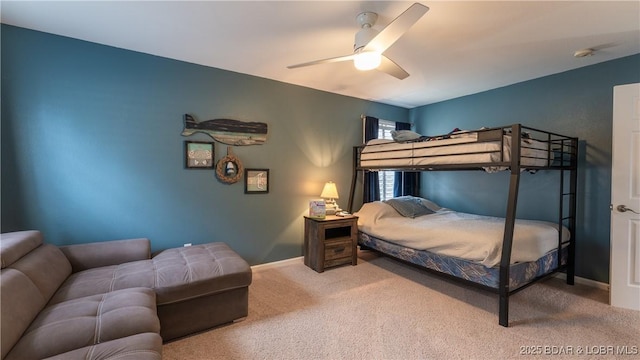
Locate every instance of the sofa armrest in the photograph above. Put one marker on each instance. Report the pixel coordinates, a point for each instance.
(92, 255)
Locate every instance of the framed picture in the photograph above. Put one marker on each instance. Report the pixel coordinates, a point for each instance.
(256, 181)
(198, 155)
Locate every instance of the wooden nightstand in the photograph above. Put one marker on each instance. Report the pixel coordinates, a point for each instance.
(330, 241)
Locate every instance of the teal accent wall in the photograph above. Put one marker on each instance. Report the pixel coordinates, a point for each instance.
(91, 148)
(92, 151)
(576, 103)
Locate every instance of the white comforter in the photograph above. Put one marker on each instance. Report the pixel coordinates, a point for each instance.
(468, 236)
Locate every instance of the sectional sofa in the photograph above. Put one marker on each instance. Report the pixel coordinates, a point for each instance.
(113, 299)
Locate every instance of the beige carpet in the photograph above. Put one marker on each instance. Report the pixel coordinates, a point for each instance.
(382, 309)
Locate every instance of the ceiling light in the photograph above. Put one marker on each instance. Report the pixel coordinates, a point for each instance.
(367, 60)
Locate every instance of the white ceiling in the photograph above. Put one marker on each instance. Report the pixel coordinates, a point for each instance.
(457, 48)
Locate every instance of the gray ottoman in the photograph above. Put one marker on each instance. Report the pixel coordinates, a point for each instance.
(199, 287)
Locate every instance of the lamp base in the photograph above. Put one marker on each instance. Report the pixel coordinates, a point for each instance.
(332, 208)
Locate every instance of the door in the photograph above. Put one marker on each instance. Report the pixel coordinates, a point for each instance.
(625, 198)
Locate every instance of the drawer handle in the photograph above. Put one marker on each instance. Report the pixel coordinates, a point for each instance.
(339, 250)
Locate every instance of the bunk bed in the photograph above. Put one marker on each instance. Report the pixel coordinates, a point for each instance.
(489, 150)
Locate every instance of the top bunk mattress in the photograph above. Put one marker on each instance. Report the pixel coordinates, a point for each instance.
(478, 149)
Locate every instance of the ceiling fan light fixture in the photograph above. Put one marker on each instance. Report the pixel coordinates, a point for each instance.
(367, 60)
(370, 44)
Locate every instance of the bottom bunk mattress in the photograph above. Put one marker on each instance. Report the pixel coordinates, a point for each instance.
(413, 223)
(463, 245)
(519, 274)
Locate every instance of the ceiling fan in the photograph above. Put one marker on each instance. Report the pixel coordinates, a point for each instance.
(370, 44)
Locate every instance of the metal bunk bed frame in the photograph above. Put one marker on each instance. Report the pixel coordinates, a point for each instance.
(566, 148)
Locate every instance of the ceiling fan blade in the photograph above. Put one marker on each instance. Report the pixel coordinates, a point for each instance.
(396, 28)
(388, 66)
(323, 61)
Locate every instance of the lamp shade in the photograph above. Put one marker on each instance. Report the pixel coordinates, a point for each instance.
(330, 191)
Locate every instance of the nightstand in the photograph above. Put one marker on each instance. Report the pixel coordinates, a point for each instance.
(330, 241)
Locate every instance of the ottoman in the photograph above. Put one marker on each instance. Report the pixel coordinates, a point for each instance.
(199, 287)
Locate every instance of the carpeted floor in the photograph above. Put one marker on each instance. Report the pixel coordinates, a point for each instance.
(382, 309)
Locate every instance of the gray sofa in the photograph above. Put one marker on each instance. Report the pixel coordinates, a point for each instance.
(112, 299)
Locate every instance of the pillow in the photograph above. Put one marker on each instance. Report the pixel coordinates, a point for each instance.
(430, 205)
(376, 210)
(404, 135)
(409, 206)
(372, 214)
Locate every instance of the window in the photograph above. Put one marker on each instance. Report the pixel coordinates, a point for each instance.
(386, 178)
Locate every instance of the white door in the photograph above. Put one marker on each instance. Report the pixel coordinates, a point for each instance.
(625, 198)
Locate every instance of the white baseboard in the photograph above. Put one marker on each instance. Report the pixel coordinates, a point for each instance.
(584, 281)
(273, 264)
(563, 276)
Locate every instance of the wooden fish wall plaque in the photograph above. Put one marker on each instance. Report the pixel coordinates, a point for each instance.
(226, 131)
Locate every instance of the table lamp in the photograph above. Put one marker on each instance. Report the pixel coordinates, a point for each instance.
(330, 192)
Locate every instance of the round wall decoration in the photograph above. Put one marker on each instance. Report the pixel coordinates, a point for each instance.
(229, 169)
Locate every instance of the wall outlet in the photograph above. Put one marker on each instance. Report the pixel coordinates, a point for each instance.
(187, 244)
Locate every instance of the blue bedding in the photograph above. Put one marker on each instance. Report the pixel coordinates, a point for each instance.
(520, 273)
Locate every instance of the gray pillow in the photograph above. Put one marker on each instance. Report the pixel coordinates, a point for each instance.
(404, 135)
(430, 204)
(409, 206)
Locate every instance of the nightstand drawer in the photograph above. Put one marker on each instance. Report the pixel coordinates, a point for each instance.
(338, 249)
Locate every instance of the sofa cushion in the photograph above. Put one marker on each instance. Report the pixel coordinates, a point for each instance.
(106, 253)
(21, 301)
(87, 321)
(146, 346)
(104, 279)
(27, 282)
(47, 267)
(176, 274)
(15, 245)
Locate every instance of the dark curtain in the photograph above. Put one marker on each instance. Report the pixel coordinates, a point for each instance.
(406, 182)
(371, 187)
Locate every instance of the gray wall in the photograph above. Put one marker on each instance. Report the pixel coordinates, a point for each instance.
(91, 148)
(576, 103)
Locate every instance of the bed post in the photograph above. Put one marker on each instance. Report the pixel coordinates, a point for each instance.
(354, 177)
(510, 218)
(573, 185)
